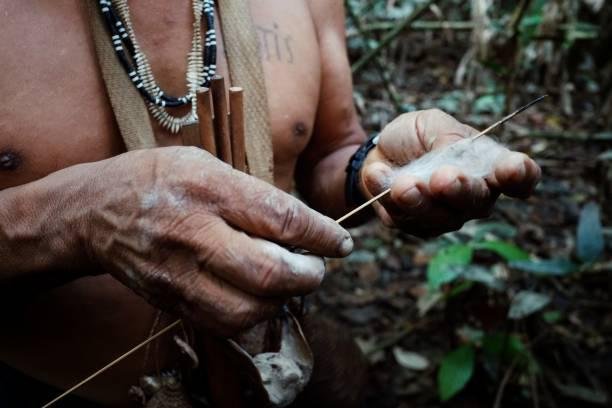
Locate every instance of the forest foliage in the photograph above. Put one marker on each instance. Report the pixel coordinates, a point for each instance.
(478, 60)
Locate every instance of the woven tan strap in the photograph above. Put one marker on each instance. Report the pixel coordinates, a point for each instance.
(240, 40)
(128, 106)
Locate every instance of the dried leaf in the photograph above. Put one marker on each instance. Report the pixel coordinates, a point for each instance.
(474, 273)
(428, 301)
(285, 373)
(410, 359)
(526, 303)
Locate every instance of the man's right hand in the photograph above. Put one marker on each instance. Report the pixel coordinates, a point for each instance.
(196, 237)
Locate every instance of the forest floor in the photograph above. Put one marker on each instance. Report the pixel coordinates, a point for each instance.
(380, 292)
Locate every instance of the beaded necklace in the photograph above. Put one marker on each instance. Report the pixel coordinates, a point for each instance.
(201, 65)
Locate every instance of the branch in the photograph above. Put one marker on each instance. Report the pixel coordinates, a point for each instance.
(395, 99)
(399, 28)
(517, 16)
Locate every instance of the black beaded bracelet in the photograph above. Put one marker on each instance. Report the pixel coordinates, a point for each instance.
(353, 194)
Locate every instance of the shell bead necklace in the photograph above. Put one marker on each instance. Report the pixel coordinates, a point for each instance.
(201, 60)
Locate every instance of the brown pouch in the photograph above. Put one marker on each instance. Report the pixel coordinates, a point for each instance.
(267, 366)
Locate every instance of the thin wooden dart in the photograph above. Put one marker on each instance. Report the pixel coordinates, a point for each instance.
(222, 135)
(205, 118)
(237, 128)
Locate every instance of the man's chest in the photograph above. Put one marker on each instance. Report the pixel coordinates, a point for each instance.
(57, 113)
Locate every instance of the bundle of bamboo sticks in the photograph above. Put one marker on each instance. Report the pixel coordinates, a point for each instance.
(219, 131)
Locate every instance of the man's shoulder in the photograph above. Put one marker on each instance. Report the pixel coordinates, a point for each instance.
(328, 15)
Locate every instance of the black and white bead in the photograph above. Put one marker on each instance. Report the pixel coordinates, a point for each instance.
(201, 60)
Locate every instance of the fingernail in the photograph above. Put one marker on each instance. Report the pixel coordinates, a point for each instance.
(411, 196)
(521, 170)
(380, 178)
(387, 177)
(346, 247)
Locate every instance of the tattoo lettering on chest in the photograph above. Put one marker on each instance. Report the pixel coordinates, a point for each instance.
(275, 45)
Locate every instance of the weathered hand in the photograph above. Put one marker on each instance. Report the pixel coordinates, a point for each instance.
(195, 237)
(451, 195)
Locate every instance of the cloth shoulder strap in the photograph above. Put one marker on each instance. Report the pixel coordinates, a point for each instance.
(128, 106)
(240, 40)
(245, 69)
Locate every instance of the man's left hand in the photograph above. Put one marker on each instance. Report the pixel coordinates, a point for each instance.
(451, 196)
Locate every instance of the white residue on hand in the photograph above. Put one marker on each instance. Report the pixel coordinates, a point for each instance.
(475, 158)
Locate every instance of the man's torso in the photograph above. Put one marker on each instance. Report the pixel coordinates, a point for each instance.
(56, 112)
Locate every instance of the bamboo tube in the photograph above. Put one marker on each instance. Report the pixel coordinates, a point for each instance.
(236, 102)
(205, 118)
(222, 136)
(190, 135)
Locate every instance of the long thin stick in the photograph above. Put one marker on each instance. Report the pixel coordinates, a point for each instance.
(364, 205)
(112, 363)
(339, 220)
(507, 118)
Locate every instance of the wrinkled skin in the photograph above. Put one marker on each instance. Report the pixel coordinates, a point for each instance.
(179, 233)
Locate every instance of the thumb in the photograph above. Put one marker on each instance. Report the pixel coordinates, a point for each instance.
(376, 178)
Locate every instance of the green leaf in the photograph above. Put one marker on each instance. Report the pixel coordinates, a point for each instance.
(492, 103)
(507, 250)
(455, 371)
(552, 316)
(450, 102)
(551, 267)
(442, 267)
(526, 303)
(372, 244)
(589, 240)
(459, 289)
(503, 346)
(532, 19)
(506, 348)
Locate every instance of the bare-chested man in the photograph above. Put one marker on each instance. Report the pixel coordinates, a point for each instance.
(78, 224)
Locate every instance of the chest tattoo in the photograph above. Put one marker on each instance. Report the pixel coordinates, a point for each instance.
(274, 44)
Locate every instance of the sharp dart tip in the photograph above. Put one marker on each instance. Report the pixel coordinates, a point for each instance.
(530, 104)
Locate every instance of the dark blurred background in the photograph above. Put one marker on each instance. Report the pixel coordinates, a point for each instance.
(515, 310)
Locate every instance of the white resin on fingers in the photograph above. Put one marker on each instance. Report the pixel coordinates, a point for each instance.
(302, 265)
(475, 158)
